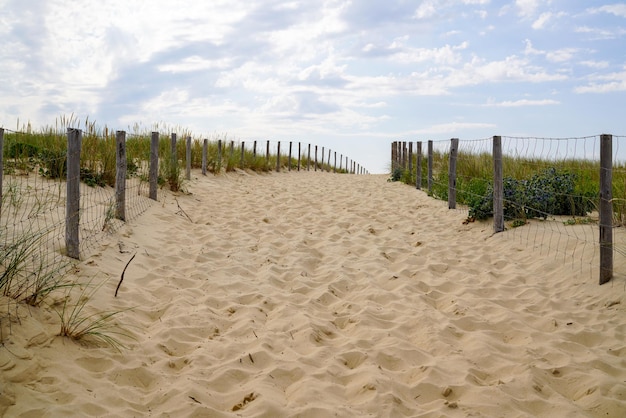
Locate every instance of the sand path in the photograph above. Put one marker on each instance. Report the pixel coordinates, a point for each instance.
(320, 295)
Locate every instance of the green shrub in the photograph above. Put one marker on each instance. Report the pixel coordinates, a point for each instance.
(548, 192)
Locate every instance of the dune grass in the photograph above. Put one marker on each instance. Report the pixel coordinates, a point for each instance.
(25, 276)
(475, 180)
(98, 327)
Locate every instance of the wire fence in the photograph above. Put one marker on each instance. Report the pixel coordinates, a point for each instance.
(551, 192)
(62, 193)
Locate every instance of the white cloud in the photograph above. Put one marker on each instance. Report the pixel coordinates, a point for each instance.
(558, 55)
(426, 9)
(195, 63)
(542, 20)
(616, 9)
(605, 83)
(522, 102)
(512, 68)
(599, 33)
(527, 8)
(595, 64)
(445, 55)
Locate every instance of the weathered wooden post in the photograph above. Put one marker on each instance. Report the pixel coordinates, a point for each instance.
(299, 154)
(278, 158)
(498, 186)
(404, 154)
(241, 159)
(72, 215)
(316, 158)
(219, 155)
(289, 163)
(393, 157)
(254, 150)
(328, 165)
(188, 158)
(308, 159)
(267, 154)
(120, 176)
(418, 173)
(173, 160)
(322, 163)
(606, 208)
(205, 150)
(153, 170)
(430, 167)
(454, 148)
(1, 164)
(410, 159)
(335, 163)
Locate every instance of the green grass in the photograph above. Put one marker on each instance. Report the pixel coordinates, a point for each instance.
(475, 174)
(95, 328)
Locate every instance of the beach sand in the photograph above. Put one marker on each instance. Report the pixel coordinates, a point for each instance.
(321, 295)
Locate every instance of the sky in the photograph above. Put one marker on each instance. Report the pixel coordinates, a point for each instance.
(350, 75)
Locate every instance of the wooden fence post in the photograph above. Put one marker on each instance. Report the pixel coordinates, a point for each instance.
(219, 156)
(278, 158)
(72, 216)
(498, 186)
(153, 170)
(120, 176)
(393, 157)
(188, 158)
(173, 160)
(1, 164)
(254, 150)
(289, 163)
(430, 167)
(328, 165)
(242, 159)
(335, 163)
(299, 154)
(454, 148)
(606, 208)
(315, 158)
(267, 154)
(205, 150)
(308, 160)
(418, 172)
(410, 159)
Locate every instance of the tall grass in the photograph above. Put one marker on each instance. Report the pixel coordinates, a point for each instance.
(475, 177)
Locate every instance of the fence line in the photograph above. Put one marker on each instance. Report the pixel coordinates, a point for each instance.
(513, 178)
(62, 193)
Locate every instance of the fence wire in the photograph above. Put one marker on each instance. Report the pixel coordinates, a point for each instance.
(551, 190)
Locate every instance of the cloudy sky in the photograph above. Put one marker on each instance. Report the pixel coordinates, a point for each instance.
(352, 75)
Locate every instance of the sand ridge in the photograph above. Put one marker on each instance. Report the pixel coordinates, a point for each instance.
(311, 295)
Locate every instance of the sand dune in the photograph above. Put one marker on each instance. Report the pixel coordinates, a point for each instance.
(321, 295)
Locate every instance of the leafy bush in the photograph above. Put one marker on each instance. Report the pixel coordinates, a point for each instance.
(548, 192)
(397, 174)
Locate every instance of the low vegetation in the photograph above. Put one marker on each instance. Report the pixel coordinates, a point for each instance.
(532, 188)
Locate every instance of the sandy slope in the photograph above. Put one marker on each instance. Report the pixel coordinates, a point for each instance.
(320, 295)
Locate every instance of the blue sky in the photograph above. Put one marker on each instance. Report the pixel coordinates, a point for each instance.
(349, 75)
